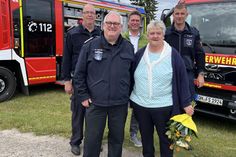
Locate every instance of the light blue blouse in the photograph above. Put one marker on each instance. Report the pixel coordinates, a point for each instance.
(161, 85)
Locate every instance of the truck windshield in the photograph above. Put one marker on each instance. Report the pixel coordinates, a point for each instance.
(215, 21)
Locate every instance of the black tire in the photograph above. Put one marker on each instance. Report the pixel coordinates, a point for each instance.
(7, 84)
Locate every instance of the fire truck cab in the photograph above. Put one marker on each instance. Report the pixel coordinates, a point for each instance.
(216, 22)
(32, 34)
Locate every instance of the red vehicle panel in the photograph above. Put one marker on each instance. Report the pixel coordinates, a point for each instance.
(4, 25)
(41, 70)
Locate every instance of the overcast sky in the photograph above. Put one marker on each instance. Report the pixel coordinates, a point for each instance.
(163, 4)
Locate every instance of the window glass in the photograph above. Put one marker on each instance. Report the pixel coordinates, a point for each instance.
(39, 31)
(215, 21)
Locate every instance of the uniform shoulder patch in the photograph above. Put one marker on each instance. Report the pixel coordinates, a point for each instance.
(90, 39)
(72, 27)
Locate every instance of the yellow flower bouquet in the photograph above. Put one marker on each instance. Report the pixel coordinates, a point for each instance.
(181, 129)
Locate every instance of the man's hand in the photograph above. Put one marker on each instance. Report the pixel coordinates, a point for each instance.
(86, 103)
(200, 81)
(189, 110)
(68, 87)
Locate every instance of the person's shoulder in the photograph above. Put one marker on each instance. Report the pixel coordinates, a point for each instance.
(91, 39)
(127, 42)
(74, 30)
(193, 29)
(176, 57)
(168, 30)
(97, 29)
(125, 35)
(70, 28)
(174, 51)
(89, 43)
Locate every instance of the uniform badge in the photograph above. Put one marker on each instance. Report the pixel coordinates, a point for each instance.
(189, 42)
(98, 54)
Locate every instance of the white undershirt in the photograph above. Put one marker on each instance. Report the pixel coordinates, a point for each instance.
(134, 41)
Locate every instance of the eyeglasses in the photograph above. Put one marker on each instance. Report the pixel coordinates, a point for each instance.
(89, 12)
(109, 24)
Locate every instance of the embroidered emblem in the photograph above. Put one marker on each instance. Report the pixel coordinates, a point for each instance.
(98, 54)
(189, 42)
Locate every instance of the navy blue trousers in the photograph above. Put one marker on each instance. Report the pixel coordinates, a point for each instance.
(77, 121)
(149, 118)
(191, 84)
(133, 125)
(95, 120)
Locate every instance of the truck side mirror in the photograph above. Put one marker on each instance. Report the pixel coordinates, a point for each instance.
(165, 16)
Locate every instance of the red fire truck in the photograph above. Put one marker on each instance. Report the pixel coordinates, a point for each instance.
(216, 22)
(32, 37)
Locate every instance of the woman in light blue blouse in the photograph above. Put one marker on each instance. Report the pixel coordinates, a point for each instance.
(160, 89)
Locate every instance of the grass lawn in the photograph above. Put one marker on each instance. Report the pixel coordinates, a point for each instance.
(47, 112)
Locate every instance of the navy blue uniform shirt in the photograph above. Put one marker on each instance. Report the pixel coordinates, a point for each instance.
(75, 39)
(103, 72)
(188, 44)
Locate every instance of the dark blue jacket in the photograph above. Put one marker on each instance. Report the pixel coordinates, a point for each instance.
(75, 39)
(180, 84)
(103, 72)
(188, 44)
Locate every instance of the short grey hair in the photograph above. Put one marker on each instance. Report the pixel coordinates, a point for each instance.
(156, 24)
(113, 12)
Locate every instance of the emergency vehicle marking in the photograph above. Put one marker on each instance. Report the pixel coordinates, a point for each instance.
(212, 85)
(225, 60)
(43, 27)
(32, 26)
(41, 77)
(219, 86)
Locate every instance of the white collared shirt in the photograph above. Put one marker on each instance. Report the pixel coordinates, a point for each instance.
(134, 41)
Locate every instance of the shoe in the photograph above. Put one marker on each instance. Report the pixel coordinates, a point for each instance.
(101, 149)
(136, 141)
(75, 150)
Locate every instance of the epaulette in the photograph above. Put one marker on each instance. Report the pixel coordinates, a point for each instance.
(86, 41)
(70, 28)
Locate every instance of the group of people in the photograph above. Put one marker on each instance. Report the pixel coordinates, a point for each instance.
(106, 71)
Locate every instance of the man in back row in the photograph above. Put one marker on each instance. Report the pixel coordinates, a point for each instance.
(186, 40)
(74, 41)
(138, 40)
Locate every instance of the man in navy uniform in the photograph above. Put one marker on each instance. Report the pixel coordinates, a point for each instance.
(103, 80)
(186, 40)
(75, 39)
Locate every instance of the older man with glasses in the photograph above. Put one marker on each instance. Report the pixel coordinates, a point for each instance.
(102, 77)
(75, 39)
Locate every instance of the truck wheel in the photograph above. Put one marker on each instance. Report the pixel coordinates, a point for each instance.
(7, 84)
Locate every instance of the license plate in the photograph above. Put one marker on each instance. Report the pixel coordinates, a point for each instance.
(210, 100)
